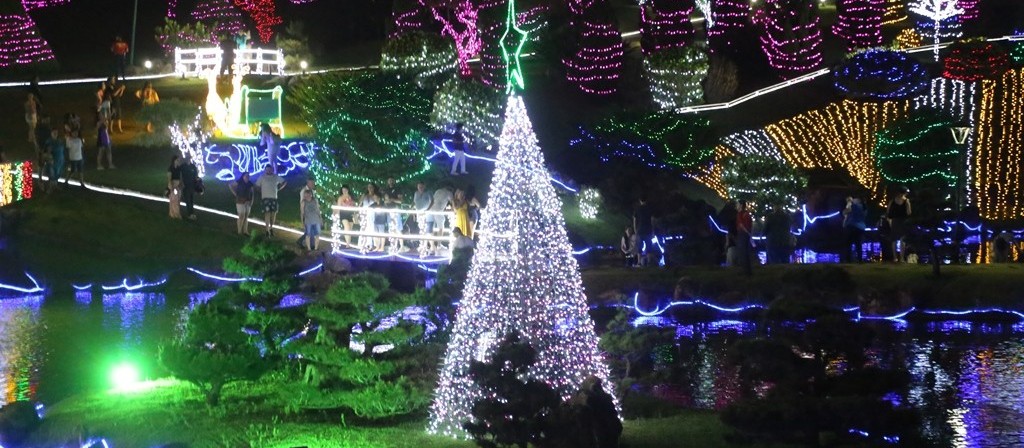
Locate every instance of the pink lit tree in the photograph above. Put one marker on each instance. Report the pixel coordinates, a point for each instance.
(729, 17)
(596, 64)
(228, 18)
(859, 22)
(493, 14)
(38, 4)
(407, 16)
(20, 41)
(458, 19)
(665, 24)
(263, 14)
(791, 38)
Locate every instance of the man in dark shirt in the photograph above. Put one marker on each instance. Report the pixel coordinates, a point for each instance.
(189, 184)
(643, 222)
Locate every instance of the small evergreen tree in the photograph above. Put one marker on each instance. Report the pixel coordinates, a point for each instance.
(766, 181)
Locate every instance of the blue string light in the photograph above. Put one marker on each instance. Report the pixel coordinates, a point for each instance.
(882, 74)
(29, 290)
(140, 285)
(441, 147)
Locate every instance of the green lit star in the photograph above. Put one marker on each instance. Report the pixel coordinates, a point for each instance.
(513, 68)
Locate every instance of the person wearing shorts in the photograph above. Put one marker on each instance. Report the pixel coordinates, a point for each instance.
(269, 184)
(75, 156)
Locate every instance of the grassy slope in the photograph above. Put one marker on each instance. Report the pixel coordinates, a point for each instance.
(173, 412)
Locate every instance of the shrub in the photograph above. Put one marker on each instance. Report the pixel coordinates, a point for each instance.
(881, 75)
(767, 181)
(185, 35)
(676, 75)
(294, 42)
(17, 421)
(162, 115)
(660, 140)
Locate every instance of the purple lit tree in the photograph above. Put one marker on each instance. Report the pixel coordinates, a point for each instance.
(792, 36)
(20, 41)
(859, 22)
(729, 17)
(665, 24)
(38, 4)
(228, 18)
(596, 64)
(407, 16)
(458, 19)
(493, 14)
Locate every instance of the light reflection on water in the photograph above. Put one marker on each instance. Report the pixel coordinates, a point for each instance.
(967, 377)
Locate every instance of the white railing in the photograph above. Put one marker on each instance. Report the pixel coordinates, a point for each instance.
(258, 61)
(195, 61)
(368, 237)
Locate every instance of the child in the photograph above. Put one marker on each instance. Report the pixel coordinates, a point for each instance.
(74, 144)
(55, 145)
(103, 145)
(311, 219)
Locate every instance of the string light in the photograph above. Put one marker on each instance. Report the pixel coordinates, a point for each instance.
(15, 182)
(1017, 52)
(908, 38)
(906, 152)
(958, 100)
(475, 105)
(974, 61)
(407, 16)
(20, 42)
(661, 140)
(191, 140)
(728, 17)
(523, 278)
(458, 19)
(938, 17)
(753, 142)
(972, 10)
(35, 288)
(998, 148)
(665, 24)
(895, 12)
(676, 76)
(859, 22)
(589, 203)
(493, 23)
(881, 74)
(705, 10)
(230, 160)
(596, 64)
(766, 181)
(30, 5)
(172, 9)
(418, 54)
(263, 13)
(792, 36)
(223, 13)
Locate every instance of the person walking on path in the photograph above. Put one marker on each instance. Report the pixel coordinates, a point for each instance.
(174, 188)
(459, 151)
(269, 184)
(103, 145)
(190, 185)
(76, 157)
(744, 234)
(897, 214)
(242, 189)
(312, 220)
(120, 50)
(643, 223)
(310, 188)
(854, 223)
(149, 98)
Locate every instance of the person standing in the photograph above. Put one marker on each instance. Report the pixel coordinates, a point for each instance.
(31, 117)
(269, 184)
(345, 199)
(242, 190)
(627, 244)
(270, 142)
(120, 50)
(149, 97)
(116, 91)
(777, 230)
(643, 223)
(75, 156)
(436, 221)
(744, 234)
(854, 223)
(42, 135)
(312, 220)
(897, 214)
(310, 188)
(459, 150)
(461, 207)
(174, 188)
(190, 185)
(103, 145)
(56, 146)
(421, 200)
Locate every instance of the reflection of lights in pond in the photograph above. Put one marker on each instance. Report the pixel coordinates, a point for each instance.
(19, 351)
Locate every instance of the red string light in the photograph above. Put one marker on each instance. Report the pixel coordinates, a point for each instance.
(975, 61)
(263, 13)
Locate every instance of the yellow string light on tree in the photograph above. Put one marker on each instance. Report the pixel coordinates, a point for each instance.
(997, 148)
(908, 38)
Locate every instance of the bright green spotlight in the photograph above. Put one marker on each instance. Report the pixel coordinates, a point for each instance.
(124, 376)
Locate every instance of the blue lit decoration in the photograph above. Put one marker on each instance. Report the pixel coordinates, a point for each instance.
(882, 75)
(440, 145)
(659, 140)
(35, 288)
(139, 284)
(230, 159)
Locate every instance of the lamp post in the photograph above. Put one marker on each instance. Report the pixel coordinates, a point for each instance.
(135, 19)
(960, 135)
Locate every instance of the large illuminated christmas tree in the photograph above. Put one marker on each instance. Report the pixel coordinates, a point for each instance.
(20, 42)
(523, 278)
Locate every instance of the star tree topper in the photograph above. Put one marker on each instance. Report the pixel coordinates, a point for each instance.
(513, 67)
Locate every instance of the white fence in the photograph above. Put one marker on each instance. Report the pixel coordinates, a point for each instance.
(258, 61)
(395, 234)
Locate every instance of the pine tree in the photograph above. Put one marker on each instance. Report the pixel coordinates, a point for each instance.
(20, 42)
(524, 279)
(222, 12)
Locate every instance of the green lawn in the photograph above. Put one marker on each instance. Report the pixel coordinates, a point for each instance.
(173, 412)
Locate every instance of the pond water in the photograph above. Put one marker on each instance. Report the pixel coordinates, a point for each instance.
(968, 378)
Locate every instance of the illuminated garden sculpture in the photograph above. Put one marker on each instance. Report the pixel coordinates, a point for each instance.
(523, 278)
(859, 22)
(938, 18)
(881, 75)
